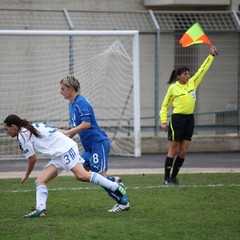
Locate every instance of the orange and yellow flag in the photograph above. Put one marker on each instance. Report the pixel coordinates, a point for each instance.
(194, 35)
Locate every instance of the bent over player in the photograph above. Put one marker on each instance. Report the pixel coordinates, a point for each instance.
(39, 138)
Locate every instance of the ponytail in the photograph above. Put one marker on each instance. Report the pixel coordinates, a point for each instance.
(175, 73)
(19, 122)
(173, 77)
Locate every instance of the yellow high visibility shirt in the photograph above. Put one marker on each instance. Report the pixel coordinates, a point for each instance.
(183, 96)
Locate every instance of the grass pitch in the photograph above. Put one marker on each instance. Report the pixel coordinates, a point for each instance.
(204, 206)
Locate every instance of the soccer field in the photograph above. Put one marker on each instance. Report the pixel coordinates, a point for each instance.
(204, 206)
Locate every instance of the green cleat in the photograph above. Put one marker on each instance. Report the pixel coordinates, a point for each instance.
(124, 196)
(36, 213)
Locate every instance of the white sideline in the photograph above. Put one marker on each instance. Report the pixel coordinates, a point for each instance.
(5, 175)
(133, 188)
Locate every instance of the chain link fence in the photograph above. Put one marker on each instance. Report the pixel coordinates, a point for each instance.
(217, 109)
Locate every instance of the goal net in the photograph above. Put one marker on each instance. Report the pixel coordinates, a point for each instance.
(106, 64)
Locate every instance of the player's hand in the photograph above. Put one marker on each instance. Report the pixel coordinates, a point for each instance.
(65, 132)
(24, 178)
(213, 50)
(164, 127)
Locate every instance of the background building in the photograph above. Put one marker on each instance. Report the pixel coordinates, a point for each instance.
(29, 72)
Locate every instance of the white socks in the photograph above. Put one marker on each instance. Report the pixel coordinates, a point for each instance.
(102, 181)
(42, 190)
(41, 197)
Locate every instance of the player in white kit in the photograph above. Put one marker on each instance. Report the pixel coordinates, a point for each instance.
(40, 138)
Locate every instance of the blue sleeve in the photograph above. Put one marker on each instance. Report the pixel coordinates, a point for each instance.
(83, 111)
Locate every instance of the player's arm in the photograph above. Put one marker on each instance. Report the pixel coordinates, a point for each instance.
(163, 114)
(31, 164)
(81, 127)
(73, 131)
(65, 132)
(198, 76)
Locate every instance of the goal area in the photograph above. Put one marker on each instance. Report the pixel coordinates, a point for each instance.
(106, 64)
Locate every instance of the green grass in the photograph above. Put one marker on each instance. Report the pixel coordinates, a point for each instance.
(205, 206)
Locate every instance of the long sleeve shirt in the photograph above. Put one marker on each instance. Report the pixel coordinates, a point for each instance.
(183, 96)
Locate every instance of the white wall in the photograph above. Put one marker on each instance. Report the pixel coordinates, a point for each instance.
(114, 5)
(80, 5)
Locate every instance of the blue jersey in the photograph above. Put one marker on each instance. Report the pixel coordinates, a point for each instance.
(82, 111)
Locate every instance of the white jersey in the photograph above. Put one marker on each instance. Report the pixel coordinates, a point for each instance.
(51, 142)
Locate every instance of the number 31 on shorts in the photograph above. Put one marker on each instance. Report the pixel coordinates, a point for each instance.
(70, 156)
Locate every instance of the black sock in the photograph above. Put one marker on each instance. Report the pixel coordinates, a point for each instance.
(168, 167)
(176, 166)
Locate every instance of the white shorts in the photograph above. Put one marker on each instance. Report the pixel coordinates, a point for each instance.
(66, 161)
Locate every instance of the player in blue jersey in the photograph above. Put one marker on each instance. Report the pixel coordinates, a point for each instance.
(36, 138)
(95, 142)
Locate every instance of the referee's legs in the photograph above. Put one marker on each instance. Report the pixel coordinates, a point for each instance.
(168, 167)
(176, 166)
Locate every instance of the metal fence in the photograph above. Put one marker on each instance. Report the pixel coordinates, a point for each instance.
(217, 109)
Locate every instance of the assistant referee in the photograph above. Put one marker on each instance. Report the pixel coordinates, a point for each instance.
(181, 94)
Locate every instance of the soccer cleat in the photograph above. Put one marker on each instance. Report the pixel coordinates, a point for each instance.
(124, 200)
(119, 207)
(122, 194)
(175, 181)
(121, 191)
(166, 181)
(36, 213)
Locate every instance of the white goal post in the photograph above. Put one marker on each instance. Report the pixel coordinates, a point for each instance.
(107, 65)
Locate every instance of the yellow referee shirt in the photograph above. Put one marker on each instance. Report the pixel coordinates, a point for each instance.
(183, 96)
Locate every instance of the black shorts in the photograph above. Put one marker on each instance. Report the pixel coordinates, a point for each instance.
(181, 127)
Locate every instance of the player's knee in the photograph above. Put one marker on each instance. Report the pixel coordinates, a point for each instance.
(182, 155)
(40, 180)
(82, 178)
